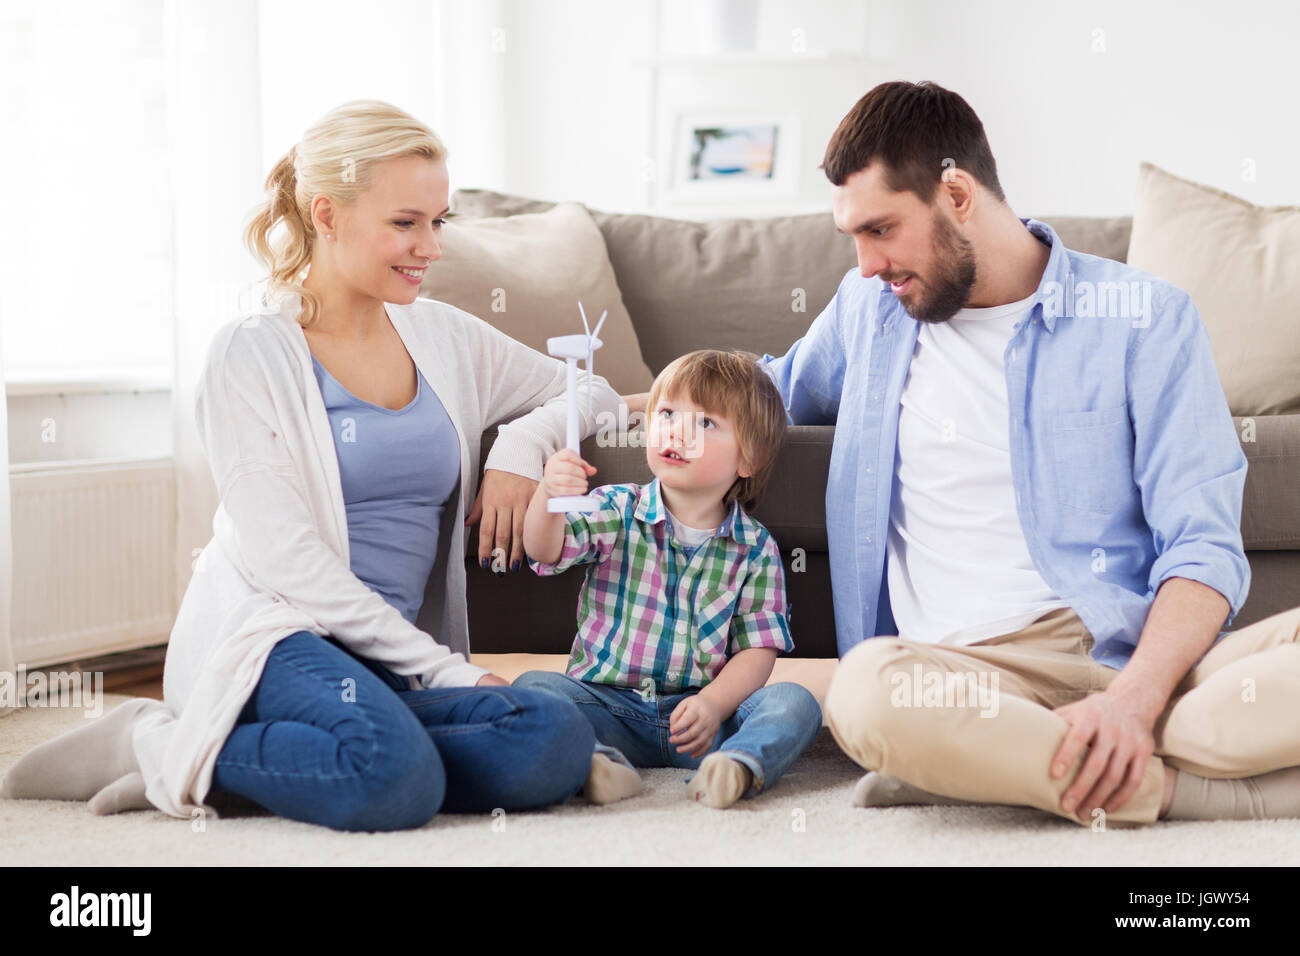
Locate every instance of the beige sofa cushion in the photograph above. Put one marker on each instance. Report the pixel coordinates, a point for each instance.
(1238, 261)
(526, 274)
(754, 284)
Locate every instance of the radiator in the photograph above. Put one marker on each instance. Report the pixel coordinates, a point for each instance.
(93, 546)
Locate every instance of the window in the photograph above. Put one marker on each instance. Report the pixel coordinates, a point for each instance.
(86, 251)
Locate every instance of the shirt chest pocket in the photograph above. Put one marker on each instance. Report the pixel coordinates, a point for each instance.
(1093, 456)
(713, 610)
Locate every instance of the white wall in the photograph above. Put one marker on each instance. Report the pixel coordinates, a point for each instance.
(576, 105)
(440, 60)
(1073, 97)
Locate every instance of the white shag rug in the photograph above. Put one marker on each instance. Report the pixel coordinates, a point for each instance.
(806, 819)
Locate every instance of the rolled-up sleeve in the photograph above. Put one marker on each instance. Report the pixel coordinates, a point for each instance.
(590, 537)
(761, 617)
(1187, 458)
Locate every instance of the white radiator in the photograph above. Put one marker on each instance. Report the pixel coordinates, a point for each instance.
(93, 546)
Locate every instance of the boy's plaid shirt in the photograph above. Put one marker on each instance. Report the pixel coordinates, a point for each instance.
(648, 617)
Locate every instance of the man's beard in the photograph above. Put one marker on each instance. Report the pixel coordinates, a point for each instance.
(954, 275)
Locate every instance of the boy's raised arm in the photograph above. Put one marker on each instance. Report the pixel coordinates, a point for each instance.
(556, 541)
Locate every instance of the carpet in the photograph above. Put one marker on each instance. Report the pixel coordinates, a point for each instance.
(806, 819)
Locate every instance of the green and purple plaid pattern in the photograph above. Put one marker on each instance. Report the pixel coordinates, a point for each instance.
(649, 616)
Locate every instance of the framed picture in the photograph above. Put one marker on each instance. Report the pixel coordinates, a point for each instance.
(718, 157)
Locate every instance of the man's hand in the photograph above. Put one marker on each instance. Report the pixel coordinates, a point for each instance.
(491, 680)
(693, 725)
(502, 503)
(1117, 732)
(1117, 725)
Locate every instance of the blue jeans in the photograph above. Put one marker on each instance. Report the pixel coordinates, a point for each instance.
(334, 739)
(769, 730)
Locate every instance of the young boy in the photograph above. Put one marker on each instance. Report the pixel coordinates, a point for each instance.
(683, 611)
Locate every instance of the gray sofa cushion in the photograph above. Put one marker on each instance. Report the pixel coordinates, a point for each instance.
(1107, 238)
(755, 284)
(1270, 509)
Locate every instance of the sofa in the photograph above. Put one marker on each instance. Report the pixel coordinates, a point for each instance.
(738, 283)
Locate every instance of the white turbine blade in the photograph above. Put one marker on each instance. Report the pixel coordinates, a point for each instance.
(583, 312)
(591, 361)
(590, 372)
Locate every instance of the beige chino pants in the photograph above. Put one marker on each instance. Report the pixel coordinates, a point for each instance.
(976, 722)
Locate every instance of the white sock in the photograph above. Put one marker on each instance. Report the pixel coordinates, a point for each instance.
(79, 764)
(609, 781)
(878, 790)
(1268, 796)
(126, 793)
(720, 781)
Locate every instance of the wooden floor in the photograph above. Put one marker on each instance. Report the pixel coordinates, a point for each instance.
(141, 682)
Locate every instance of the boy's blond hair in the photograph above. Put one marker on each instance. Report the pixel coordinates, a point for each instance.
(730, 383)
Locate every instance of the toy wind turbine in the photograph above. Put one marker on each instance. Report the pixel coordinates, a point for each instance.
(571, 348)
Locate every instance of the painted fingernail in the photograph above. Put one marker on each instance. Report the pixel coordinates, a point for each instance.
(515, 566)
(482, 562)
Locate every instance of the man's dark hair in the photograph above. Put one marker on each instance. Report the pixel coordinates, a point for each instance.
(917, 130)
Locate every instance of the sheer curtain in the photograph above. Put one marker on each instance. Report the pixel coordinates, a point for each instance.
(6, 551)
(180, 165)
(213, 111)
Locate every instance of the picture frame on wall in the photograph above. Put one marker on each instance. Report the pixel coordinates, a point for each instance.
(721, 156)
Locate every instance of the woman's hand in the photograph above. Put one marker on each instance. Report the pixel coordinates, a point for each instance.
(501, 504)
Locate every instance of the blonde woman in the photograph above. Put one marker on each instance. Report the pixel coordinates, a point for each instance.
(342, 425)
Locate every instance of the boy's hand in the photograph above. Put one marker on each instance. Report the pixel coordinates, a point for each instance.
(693, 725)
(566, 474)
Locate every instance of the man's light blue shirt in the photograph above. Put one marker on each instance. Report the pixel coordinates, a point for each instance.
(1125, 462)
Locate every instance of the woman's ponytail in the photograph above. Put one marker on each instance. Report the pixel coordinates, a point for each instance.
(285, 257)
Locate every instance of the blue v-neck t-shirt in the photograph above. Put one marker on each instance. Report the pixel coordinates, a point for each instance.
(398, 468)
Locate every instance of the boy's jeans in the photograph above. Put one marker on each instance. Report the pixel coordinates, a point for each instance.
(767, 732)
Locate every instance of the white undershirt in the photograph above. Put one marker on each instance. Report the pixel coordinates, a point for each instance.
(688, 537)
(959, 570)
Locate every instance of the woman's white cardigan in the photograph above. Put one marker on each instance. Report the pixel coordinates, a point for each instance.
(278, 559)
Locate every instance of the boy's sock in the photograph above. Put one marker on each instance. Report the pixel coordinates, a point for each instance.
(720, 781)
(77, 765)
(609, 781)
(1269, 796)
(126, 793)
(878, 790)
